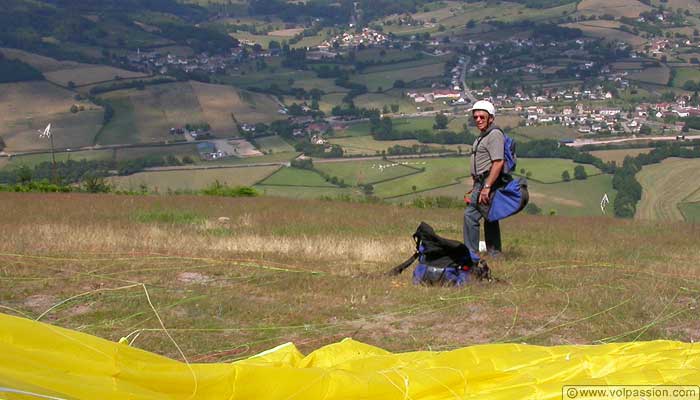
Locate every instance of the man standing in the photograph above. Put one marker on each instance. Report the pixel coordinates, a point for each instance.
(486, 166)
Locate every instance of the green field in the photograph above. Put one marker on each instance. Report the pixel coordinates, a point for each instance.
(273, 144)
(545, 132)
(438, 172)
(690, 211)
(379, 100)
(574, 198)
(275, 158)
(665, 186)
(296, 177)
(448, 171)
(192, 179)
(120, 154)
(366, 145)
(385, 77)
(34, 159)
(355, 129)
(685, 74)
(549, 170)
(362, 172)
(295, 192)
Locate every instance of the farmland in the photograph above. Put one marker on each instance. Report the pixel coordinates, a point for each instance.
(383, 78)
(617, 8)
(147, 115)
(31, 106)
(655, 75)
(607, 30)
(296, 177)
(192, 179)
(363, 172)
(366, 145)
(88, 74)
(273, 144)
(685, 74)
(665, 186)
(618, 155)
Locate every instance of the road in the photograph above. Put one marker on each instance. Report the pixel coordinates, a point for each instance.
(467, 93)
(589, 142)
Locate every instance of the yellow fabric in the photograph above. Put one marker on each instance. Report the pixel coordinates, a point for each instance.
(40, 359)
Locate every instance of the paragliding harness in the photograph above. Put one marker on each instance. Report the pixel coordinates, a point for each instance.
(441, 261)
(510, 194)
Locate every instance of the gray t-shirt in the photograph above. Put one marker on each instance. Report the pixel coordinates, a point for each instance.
(489, 149)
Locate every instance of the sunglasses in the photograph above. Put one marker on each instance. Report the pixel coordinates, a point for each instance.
(477, 117)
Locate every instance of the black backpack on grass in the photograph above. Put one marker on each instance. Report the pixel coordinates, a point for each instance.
(441, 261)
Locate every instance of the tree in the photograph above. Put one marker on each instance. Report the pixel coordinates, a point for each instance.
(565, 176)
(645, 130)
(394, 108)
(440, 121)
(580, 172)
(74, 109)
(2, 144)
(399, 83)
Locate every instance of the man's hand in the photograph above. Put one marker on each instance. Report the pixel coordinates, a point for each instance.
(484, 195)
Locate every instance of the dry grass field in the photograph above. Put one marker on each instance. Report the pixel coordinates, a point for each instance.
(618, 155)
(88, 74)
(607, 30)
(42, 63)
(147, 115)
(302, 271)
(617, 8)
(657, 75)
(665, 186)
(62, 72)
(28, 107)
(192, 179)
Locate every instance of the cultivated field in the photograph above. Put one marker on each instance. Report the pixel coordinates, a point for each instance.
(686, 74)
(607, 30)
(87, 74)
(192, 179)
(303, 271)
(273, 144)
(218, 102)
(42, 63)
(574, 198)
(28, 107)
(368, 146)
(372, 171)
(147, 115)
(617, 8)
(665, 186)
(296, 177)
(545, 132)
(384, 78)
(656, 75)
(618, 155)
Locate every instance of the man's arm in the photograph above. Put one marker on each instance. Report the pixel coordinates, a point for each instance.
(496, 168)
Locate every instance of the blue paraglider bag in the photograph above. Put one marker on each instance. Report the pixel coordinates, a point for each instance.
(507, 199)
(438, 273)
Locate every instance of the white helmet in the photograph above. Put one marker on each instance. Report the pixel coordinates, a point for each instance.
(484, 106)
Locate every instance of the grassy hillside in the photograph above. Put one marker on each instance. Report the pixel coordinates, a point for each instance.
(665, 186)
(30, 106)
(283, 270)
(147, 115)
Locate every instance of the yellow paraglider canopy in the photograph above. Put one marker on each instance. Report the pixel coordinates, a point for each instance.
(38, 360)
